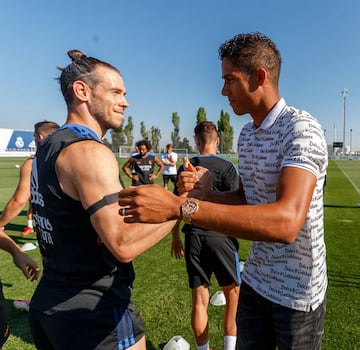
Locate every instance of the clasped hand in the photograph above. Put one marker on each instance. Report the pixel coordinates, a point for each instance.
(154, 204)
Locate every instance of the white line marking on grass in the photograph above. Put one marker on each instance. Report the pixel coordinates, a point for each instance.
(353, 184)
(7, 188)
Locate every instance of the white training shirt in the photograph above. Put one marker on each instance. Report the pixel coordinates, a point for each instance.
(292, 275)
(169, 169)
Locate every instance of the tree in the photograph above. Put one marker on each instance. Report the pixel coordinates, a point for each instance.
(118, 138)
(201, 115)
(128, 131)
(175, 138)
(155, 138)
(185, 144)
(226, 132)
(107, 143)
(144, 133)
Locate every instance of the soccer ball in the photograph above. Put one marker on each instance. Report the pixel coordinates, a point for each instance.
(17, 166)
(177, 343)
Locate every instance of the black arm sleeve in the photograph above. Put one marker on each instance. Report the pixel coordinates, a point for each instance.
(108, 199)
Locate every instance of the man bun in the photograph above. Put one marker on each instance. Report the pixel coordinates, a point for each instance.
(76, 55)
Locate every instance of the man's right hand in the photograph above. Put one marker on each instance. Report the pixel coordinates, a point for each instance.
(149, 203)
(195, 183)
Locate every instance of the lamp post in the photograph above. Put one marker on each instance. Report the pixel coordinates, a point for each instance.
(350, 141)
(344, 94)
(221, 142)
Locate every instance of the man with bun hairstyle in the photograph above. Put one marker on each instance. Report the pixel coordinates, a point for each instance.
(84, 299)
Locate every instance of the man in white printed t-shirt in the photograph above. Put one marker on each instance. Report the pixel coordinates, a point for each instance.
(169, 159)
(282, 157)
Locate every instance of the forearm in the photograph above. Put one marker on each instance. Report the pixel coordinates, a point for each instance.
(22, 261)
(134, 239)
(8, 244)
(160, 170)
(127, 241)
(147, 237)
(11, 210)
(127, 172)
(176, 230)
(229, 197)
(266, 222)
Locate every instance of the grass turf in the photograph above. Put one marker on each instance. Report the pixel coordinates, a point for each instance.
(161, 291)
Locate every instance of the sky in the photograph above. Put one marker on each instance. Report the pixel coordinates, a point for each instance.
(167, 52)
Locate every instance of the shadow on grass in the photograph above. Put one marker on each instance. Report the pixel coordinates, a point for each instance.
(14, 227)
(150, 345)
(340, 206)
(19, 323)
(19, 239)
(348, 280)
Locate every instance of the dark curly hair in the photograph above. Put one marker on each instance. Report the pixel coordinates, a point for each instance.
(144, 142)
(81, 68)
(250, 51)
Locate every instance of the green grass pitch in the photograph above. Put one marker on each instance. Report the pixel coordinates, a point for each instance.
(161, 291)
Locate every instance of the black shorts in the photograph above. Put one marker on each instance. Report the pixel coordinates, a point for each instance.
(166, 178)
(4, 326)
(105, 327)
(207, 254)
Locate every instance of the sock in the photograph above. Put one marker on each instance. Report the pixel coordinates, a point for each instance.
(229, 342)
(203, 347)
(29, 224)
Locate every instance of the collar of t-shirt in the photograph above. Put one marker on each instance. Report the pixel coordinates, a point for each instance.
(273, 115)
(81, 130)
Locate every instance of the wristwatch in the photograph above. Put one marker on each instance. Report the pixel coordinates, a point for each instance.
(188, 209)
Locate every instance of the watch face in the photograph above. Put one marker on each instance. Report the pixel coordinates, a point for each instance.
(189, 207)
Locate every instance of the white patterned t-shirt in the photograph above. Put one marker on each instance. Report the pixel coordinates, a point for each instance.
(293, 275)
(169, 169)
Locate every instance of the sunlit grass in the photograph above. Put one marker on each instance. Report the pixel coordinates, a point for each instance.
(161, 290)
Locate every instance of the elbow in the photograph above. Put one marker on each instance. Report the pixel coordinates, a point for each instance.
(125, 260)
(289, 229)
(125, 255)
(288, 238)
(288, 233)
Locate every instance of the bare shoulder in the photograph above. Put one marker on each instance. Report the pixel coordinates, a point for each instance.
(25, 171)
(27, 165)
(88, 170)
(86, 151)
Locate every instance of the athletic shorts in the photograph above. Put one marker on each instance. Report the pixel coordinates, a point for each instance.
(207, 254)
(102, 327)
(4, 326)
(172, 178)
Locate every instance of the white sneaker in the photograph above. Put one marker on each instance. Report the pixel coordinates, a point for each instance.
(22, 305)
(28, 246)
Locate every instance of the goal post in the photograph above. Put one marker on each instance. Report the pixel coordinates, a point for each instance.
(126, 151)
(181, 152)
